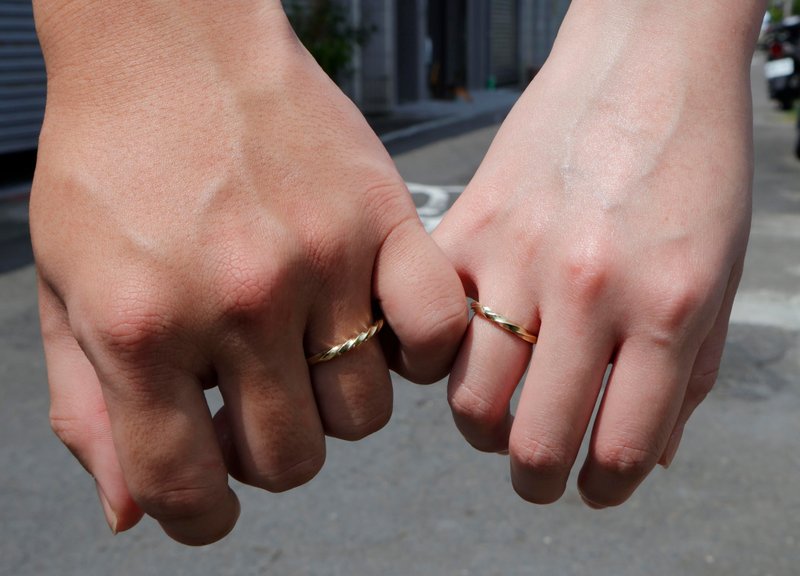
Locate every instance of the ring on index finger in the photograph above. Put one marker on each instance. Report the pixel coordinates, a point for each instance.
(503, 322)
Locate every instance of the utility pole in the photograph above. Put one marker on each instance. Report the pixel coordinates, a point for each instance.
(787, 8)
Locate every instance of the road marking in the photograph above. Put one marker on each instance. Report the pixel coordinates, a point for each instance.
(433, 201)
(785, 226)
(767, 308)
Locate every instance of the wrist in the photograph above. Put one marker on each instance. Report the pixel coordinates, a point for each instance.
(111, 48)
(692, 32)
(650, 61)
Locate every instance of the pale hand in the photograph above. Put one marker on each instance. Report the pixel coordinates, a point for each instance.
(610, 217)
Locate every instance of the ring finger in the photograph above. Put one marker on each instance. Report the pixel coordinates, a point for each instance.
(557, 401)
(352, 388)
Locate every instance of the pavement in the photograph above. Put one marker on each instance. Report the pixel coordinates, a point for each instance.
(412, 125)
(415, 499)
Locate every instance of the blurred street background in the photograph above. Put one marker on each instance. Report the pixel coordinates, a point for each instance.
(415, 498)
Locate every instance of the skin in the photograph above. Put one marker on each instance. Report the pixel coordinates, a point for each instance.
(209, 210)
(611, 217)
(202, 186)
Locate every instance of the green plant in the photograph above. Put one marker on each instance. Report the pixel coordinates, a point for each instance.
(324, 28)
(776, 9)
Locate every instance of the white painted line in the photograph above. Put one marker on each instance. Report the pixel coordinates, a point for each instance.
(437, 203)
(767, 309)
(785, 226)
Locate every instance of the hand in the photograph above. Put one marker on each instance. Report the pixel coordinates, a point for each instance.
(209, 213)
(611, 217)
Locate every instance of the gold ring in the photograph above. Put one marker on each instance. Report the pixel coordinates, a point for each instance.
(503, 322)
(346, 347)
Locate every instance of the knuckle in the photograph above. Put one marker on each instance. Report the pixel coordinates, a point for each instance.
(588, 272)
(324, 243)
(387, 198)
(248, 291)
(368, 411)
(360, 426)
(436, 327)
(540, 456)
(389, 211)
(678, 303)
(445, 319)
(135, 323)
(472, 407)
(625, 460)
(292, 472)
(701, 384)
(74, 432)
(171, 503)
(68, 430)
(246, 296)
(324, 249)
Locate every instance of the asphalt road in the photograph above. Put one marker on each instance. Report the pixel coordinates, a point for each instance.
(415, 499)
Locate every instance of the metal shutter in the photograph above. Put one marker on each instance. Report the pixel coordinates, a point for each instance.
(22, 78)
(504, 41)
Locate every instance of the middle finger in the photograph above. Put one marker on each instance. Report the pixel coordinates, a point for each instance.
(557, 401)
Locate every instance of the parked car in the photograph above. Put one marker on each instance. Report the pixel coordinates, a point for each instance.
(782, 68)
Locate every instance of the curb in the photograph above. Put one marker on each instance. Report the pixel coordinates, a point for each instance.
(418, 135)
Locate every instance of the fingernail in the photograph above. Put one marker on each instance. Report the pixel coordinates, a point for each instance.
(671, 449)
(111, 517)
(238, 504)
(592, 505)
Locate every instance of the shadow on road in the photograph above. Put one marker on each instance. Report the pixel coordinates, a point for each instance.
(15, 246)
(15, 238)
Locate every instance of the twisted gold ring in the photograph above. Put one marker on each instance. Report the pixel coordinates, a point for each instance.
(346, 347)
(503, 322)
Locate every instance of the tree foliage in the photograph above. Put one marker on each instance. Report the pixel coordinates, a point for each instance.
(324, 27)
(776, 9)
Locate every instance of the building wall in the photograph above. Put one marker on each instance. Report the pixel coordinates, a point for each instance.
(378, 57)
(527, 40)
(504, 45)
(478, 46)
(412, 50)
(394, 66)
(505, 40)
(22, 78)
(547, 18)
